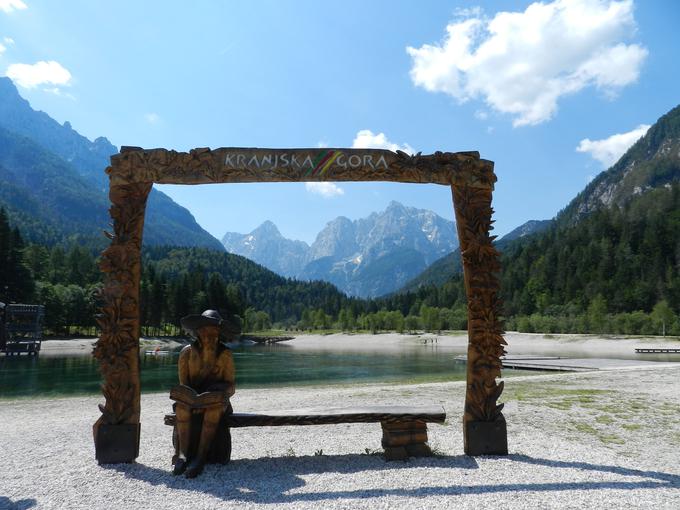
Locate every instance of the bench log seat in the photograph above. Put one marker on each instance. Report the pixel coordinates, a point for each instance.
(404, 427)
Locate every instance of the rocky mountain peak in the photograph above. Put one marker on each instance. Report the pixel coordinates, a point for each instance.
(365, 257)
(652, 162)
(8, 91)
(396, 207)
(338, 238)
(267, 228)
(265, 245)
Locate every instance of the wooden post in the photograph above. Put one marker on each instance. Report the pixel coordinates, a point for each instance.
(116, 432)
(484, 427)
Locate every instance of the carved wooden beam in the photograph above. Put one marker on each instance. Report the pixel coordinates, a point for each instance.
(483, 422)
(116, 431)
(204, 166)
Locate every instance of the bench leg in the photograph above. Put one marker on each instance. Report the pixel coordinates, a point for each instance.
(405, 439)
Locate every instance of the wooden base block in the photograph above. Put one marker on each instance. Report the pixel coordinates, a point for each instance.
(486, 438)
(418, 450)
(116, 444)
(396, 453)
(403, 433)
(405, 439)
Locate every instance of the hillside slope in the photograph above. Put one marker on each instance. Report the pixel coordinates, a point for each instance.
(62, 146)
(44, 195)
(652, 162)
(450, 265)
(617, 242)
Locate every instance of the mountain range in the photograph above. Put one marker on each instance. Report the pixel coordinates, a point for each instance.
(53, 184)
(650, 166)
(367, 257)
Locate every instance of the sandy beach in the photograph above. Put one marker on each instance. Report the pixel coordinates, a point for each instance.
(84, 346)
(606, 439)
(456, 342)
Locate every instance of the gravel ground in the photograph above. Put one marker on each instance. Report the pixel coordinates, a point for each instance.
(587, 440)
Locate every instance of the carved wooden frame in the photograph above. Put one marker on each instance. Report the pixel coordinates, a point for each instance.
(132, 174)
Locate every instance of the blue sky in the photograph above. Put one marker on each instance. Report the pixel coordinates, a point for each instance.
(524, 84)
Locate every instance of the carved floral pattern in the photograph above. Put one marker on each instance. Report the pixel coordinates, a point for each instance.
(117, 349)
(485, 329)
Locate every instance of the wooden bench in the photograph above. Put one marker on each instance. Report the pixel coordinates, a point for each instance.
(404, 428)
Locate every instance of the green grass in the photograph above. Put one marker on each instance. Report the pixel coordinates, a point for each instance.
(585, 428)
(604, 437)
(613, 417)
(631, 426)
(610, 439)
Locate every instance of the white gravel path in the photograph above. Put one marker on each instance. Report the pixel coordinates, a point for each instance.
(586, 440)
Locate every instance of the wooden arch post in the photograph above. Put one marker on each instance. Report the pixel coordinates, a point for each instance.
(116, 432)
(484, 429)
(133, 172)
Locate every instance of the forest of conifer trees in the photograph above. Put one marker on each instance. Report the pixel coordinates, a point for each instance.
(616, 271)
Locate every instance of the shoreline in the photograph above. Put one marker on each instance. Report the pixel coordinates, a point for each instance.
(574, 345)
(84, 346)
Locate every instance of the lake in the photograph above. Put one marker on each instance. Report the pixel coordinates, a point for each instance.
(256, 366)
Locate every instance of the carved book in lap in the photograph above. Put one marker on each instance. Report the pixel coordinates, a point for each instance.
(189, 397)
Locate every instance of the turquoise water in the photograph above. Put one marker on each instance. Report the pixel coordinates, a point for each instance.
(256, 366)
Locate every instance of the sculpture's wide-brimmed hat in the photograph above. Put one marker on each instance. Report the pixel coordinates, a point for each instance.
(229, 327)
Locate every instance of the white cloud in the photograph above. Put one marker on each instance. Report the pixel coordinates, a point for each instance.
(12, 5)
(6, 41)
(609, 150)
(152, 118)
(481, 114)
(59, 92)
(41, 73)
(366, 139)
(467, 12)
(322, 144)
(325, 189)
(521, 63)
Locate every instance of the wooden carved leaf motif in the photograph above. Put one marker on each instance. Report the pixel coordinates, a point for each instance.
(116, 349)
(481, 262)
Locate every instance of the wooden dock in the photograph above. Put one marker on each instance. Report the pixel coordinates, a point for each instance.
(657, 351)
(266, 339)
(560, 364)
(547, 363)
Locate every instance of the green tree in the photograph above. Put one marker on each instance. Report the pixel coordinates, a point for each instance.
(597, 313)
(662, 316)
(16, 280)
(345, 319)
(412, 323)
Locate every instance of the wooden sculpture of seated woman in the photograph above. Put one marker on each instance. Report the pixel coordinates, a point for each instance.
(206, 377)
